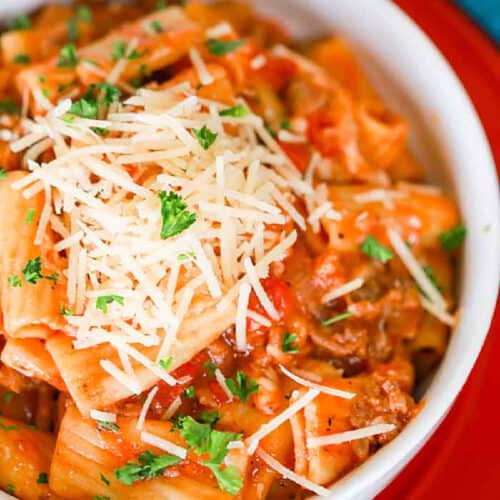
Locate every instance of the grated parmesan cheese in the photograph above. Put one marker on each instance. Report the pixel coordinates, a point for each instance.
(145, 408)
(104, 416)
(292, 476)
(344, 289)
(241, 317)
(164, 445)
(344, 437)
(274, 423)
(312, 385)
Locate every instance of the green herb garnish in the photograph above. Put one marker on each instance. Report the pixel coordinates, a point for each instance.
(288, 344)
(10, 107)
(43, 478)
(30, 216)
(68, 57)
(14, 281)
(22, 59)
(7, 397)
(238, 111)
(175, 216)
(209, 417)
(107, 426)
(205, 136)
(189, 392)
(337, 318)
(8, 428)
(104, 479)
(156, 27)
(222, 48)
(150, 466)
(166, 363)
(3, 173)
(452, 239)
(241, 386)
(103, 301)
(374, 249)
(20, 23)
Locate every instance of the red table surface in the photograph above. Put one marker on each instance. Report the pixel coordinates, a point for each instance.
(462, 459)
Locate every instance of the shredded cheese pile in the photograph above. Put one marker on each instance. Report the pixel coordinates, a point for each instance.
(103, 201)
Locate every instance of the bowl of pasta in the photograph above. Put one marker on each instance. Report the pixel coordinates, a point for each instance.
(248, 250)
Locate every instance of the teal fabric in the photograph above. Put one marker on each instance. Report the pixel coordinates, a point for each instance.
(486, 13)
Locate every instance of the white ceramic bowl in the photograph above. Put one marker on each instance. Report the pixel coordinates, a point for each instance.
(447, 137)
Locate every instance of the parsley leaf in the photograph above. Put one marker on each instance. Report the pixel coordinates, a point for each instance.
(43, 478)
(189, 392)
(210, 367)
(205, 136)
(7, 397)
(222, 48)
(228, 478)
(238, 111)
(373, 248)
(337, 318)
(286, 125)
(166, 363)
(65, 311)
(30, 216)
(288, 344)
(32, 271)
(104, 479)
(185, 256)
(10, 489)
(8, 428)
(119, 51)
(85, 108)
(68, 57)
(156, 27)
(14, 281)
(3, 173)
(20, 23)
(10, 107)
(107, 426)
(195, 434)
(209, 417)
(150, 466)
(22, 59)
(175, 216)
(242, 386)
(103, 301)
(452, 239)
(99, 497)
(110, 93)
(84, 13)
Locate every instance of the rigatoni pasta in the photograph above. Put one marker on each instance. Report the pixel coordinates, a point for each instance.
(221, 271)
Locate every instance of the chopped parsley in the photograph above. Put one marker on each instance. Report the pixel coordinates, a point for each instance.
(30, 216)
(229, 478)
(43, 478)
(205, 136)
(119, 51)
(452, 239)
(110, 93)
(209, 417)
(14, 281)
(20, 23)
(3, 173)
(175, 216)
(238, 111)
(286, 125)
(7, 397)
(337, 318)
(149, 466)
(185, 256)
(84, 13)
(374, 249)
(10, 489)
(189, 392)
(8, 428)
(68, 57)
(32, 271)
(22, 59)
(62, 87)
(104, 479)
(65, 311)
(241, 386)
(222, 48)
(156, 27)
(107, 426)
(103, 302)
(166, 363)
(288, 344)
(99, 497)
(206, 440)
(85, 108)
(10, 107)
(210, 367)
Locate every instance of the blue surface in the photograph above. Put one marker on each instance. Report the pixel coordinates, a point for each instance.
(486, 13)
